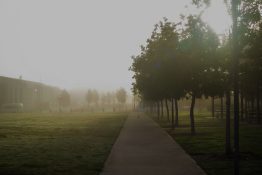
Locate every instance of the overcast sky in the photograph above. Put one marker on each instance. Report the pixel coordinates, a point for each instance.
(83, 43)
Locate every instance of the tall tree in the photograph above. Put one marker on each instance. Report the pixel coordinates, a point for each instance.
(95, 97)
(235, 54)
(89, 96)
(198, 43)
(64, 99)
(121, 95)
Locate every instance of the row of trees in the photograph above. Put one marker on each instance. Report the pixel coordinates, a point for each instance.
(93, 97)
(115, 100)
(179, 61)
(188, 60)
(64, 100)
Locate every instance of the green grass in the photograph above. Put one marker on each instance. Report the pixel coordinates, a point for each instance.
(61, 143)
(207, 146)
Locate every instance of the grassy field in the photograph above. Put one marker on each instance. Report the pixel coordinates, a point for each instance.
(207, 147)
(61, 143)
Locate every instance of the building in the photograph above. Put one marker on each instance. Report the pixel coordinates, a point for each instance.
(34, 96)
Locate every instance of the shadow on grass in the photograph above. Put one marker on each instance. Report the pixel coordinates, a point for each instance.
(207, 147)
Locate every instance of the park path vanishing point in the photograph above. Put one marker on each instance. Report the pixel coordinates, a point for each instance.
(143, 148)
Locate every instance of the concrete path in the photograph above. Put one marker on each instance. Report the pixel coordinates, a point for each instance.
(143, 148)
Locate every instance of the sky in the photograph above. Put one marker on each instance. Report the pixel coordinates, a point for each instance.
(85, 43)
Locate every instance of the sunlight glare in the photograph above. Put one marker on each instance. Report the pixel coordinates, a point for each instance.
(217, 17)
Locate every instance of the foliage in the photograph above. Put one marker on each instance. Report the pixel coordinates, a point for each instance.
(187, 59)
(175, 63)
(92, 96)
(121, 95)
(64, 99)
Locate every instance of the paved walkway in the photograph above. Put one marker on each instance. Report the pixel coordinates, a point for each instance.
(143, 148)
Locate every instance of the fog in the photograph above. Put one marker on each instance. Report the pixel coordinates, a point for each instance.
(81, 44)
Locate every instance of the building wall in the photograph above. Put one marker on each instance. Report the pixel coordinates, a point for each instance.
(33, 95)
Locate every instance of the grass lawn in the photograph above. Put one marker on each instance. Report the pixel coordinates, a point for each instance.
(58, 143)
(207, 147)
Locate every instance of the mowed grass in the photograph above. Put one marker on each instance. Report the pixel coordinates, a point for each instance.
(207, 146)
(61, 143)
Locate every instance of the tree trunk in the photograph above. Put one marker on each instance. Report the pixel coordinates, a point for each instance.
(222, 108)
(162, 110)
(258, 103)
(235, 58)
(252, 108)
(248, 111)
(246, 107)
(228, 143)
(167, 111)
(192, 117)
(241, 106)
(158, 110)
(172, 113)
(176, 117)
(253, 104)
(213, 106)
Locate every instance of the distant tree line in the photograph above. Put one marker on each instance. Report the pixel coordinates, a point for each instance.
(64, 100)
(115, 99)
(95, 101)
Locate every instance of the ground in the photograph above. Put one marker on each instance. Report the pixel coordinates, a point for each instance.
(58, 143)
(207, 146)
(144, 148)
(79, 143)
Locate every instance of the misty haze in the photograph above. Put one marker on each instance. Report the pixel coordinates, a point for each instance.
(125, 87)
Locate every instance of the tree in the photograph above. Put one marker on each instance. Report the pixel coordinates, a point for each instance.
(64, 99)
(250, 30)
(121, 96)
(95, 97)
(89, 96)
(109, 98)
(198, 44)
(146, 71)
(246, 17)
(224, 51)
(172, 64)
(235, 59)
(169, 65)
(92, 97)
(159, 69)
